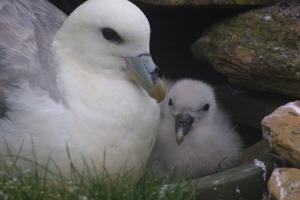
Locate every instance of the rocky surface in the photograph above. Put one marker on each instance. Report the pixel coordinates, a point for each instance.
(282, 131)
(255, 151)
(284, 184)
(246, 182)
(206, 2)
(259, 49)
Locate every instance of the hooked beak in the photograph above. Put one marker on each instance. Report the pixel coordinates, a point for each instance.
(145, 73)
(183, 124)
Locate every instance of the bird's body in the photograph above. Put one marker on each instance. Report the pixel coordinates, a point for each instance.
(90, 109)
(90, 129)
(210, 145)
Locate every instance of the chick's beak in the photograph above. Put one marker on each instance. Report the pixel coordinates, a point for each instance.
(145, 73)
(183, 124)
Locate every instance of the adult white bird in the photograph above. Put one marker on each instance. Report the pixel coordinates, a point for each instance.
(195, 137)
(83, 90)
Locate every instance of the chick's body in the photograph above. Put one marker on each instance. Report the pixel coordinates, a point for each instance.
(210, 144)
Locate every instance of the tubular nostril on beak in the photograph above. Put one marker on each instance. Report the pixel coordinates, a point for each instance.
(145, 73)
(155, 74)
(183, 124)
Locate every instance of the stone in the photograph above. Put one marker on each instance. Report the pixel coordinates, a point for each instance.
(282, 130)
(206, 2)
(246, 182)
(259, 49)
(284, 184)
(255, 151)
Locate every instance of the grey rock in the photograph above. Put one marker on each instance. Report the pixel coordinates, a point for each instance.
(259, 49)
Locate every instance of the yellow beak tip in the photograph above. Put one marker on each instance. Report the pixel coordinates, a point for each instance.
(158, 91)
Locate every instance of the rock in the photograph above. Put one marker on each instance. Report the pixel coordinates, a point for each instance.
(282, 131)
(246, 182)
(206, 2)
(255, 151)
(284, 184)
(259, 49)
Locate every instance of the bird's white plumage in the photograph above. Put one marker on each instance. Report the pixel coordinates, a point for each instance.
(102, 115)
(212, 143)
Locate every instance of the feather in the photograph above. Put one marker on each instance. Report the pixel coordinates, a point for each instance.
(68, 89)
(27, 31)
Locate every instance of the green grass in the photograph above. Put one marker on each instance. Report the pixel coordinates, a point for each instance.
(17, 184)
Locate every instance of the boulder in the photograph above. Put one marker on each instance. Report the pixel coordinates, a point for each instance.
(255, 151)
(246, 182)
(259, 49)
(206, 2)
(282, 131)
(284, 184)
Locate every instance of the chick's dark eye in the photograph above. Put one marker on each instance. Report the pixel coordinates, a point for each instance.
(170, 102)
(205, 107)
(111, 35)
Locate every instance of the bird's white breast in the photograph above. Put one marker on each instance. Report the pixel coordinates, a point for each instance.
(110, 121)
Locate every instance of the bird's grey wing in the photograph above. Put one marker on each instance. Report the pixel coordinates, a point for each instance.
(27, 31)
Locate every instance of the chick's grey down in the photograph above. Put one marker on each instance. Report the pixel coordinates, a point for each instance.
(195, 137)
(78, 84)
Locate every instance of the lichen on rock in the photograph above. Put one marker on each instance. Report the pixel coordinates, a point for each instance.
(259, 49)
(284, 184)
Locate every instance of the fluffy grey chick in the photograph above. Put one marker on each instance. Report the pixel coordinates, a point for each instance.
(195, 137)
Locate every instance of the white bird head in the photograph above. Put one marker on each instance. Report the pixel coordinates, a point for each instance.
(189, 103)
(111, 36)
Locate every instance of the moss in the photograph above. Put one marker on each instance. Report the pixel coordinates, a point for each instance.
(272, 34)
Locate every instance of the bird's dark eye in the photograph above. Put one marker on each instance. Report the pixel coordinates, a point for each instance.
(205, 107)
(111, 35)
(170, 102)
